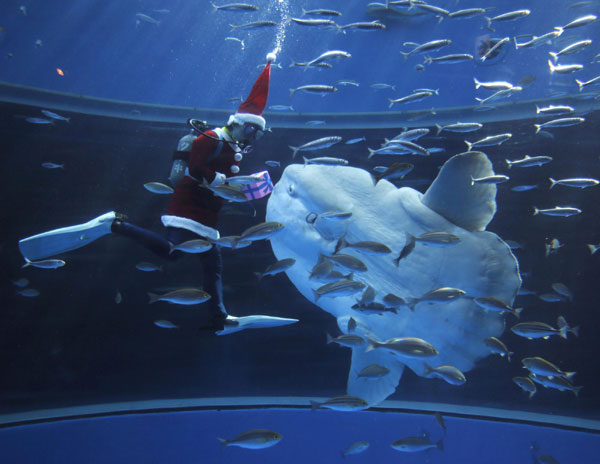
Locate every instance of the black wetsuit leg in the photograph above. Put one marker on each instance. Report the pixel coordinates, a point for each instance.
(151, 240)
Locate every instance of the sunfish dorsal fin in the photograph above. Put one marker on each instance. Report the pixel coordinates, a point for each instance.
(451, 195)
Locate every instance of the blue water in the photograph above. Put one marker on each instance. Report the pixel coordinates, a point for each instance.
(317, 436)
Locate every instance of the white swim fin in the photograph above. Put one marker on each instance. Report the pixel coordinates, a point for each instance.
(64, 239)
(253, 322)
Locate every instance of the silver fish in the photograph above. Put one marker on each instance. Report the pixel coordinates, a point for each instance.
(428, 46)
(411, 98)
(554, 110)
(244, 180)
(273, 163)
(453, 58)
(407, 249)
(564, 69)
(510, 16)
(494, 85)
(253, 439)
(493, 180)
(534, 329)
(438, 239)
(329, 55)
(583, 21)
(146, 18)
(226, 192)
(231, 241)
(39, 121)
(355, 140)
(349, 341)
(316, 88)
(581, 84)
(579, 182)
(164, 324)
(321, 12)
(235, 7)
(529, 161)
(447, 373)
(45, 264)
(558, 383)
(373, 371)
(182, 296)
(50, 165)
(326, 161)
(416, 444)
(564, 211)
(573, 48)
(411, 147)
(414, 134)
(395, 171)
(261, 231)
(394, 301)
(526, 384)
(157, 187)
(29, 292)
(489, 141)
(368, 248)
(341, 403)
(459, 127)
(500, 94)
(540, 366)
(22, 282)
(356, 448)
(564, 327)
(524, 188)
(56, 116)
(254, 25)
(276, 268)
(496, 46)
(491, 303)
(537, 41)
(361, 26)
(339, 288)
(562, 290)
(192, 246)
(496, 346)
(348, 262)
(313, 22)
(148, 267)
(562, 122)
(318, 144)
(409, 347)
(466, 13)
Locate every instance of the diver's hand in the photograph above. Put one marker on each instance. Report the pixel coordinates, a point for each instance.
(185, 142)
(219, 179)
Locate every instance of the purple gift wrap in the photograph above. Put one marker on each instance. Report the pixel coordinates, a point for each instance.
(260, 189)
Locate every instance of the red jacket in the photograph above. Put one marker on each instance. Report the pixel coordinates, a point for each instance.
(189, 199)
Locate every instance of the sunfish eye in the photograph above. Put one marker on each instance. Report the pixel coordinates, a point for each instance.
(291, 190)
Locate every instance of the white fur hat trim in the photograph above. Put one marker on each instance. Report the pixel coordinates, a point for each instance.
(241, 118)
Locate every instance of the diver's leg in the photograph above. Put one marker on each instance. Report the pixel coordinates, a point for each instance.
(149, 239)
(212, 267)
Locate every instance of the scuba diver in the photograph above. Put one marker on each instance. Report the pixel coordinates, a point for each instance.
(193, 212)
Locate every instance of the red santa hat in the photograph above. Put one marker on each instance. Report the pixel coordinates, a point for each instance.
(250, 111)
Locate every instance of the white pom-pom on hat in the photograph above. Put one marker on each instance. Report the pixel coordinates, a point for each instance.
(235, 169)
(271, 57)
(237, 157)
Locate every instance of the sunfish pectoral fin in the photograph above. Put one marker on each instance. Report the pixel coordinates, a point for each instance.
(373, 390)
(253, 322)
(451, 194)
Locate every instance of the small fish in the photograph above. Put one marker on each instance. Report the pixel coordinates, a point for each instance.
(321, 12)
(341, 403)
(227, 192)
(182, 296)
(413, 134)
(148, 267)
(593, 248)
(335, 215)
(539, 366)
(564, 211)
(22, 282)
(244, 180)
(537, 41)
(496, 346)
(157, 187)
(495, 47)
(276, 268)
(447, 373)
(338, 288)
(349, 341)
(394, 301)
(382, 86)
(564, 327)
(551, 297)
(45, 264)
(554, 110)
(317, 88)
(318, 144)
(417, 96)
(395, 171)
(526, 384)
(146, 18)
(314, 22)
(40, 121)
(52, 115)
(192, 246)
(499, 94)
(326, 161)
(459, 127)
(164, 324)
(428, 46)
(373, 371)
(510, 16)
(453, 58)
(524, 188)
(315, 122)
(438, 239)
(581, 182)
(582, 84)
(356, 448)
(253, 439)
(491, 303)
(281, 108)
(273, 163)
(368, 248)
(533, 330)
(29, 292)
(409, 246)
(231, 241)
(563, 122)
(235, 7)
(367, 297)
(361, 26)
(356, 140)
(23, 9)
(118, 297)
(490, 180)
(50, 165)
(558, 383)
(562, 290)
(235, 39)
(573, 48)
(494, 85)
(409, 347)
(439, 418)
(529, 161)
(553, 246)
(583, 21)
(416, 444)
(261, 231)
(351, 324)
(489, 141)
(564, 69)
(329, 55)
(254, 25)
(466, 13)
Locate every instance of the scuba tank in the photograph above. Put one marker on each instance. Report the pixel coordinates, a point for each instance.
(181, 156)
